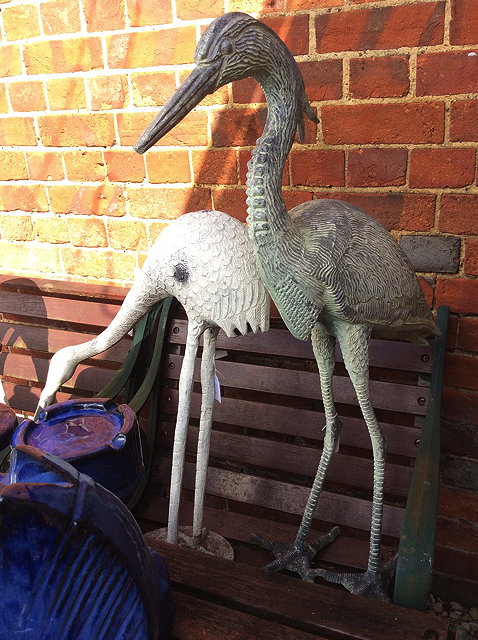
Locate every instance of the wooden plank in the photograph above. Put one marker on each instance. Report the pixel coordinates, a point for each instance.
(312, 608)
(304, 384)
(288, 458)
(63, 288)
(401, 440)
(333, 508)
(388, 354)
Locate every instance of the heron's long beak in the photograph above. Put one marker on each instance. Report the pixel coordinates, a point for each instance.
(201, 81)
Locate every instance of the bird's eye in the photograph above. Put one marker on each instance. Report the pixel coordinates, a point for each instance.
(227, 47)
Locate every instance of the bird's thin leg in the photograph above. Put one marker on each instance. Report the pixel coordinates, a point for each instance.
(207, 385)
(186, 380)
(354, 343)
(297, 557)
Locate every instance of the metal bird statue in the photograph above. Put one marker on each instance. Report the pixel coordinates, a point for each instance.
(205, 260)
(332, 270)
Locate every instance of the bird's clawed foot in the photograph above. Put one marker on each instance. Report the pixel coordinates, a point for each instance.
(295, 557)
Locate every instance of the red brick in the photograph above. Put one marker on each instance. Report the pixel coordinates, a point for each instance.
(20, 257)
(300, 5)
(108, 92)
(151, 48)
(66, 93)
(87, 232)
(25, 197)
(63, 56)
(447, 72)
(144, 13)
(322, 78)
(84, 165)
(127, 234)
(10, 60)
(124, 166)
(215, 166)
(460, 294)
(17, 131)
(152, 88)
(52, 230)
(440, 168)
(190, 132)
(13, 165)
(231, 201)
(247, 91)
(104, 15)
(428, 290)
(377, 167)
(413, 122)
(460, 406)
(471, 256)
(16, 228)
(464, 22)
(21, 22)
(91, 263)
(167, 203)
(293, 30)
(44, 165)
(464, 121)
(257, 6)
(77, 130)
(245, 156)
(237, 127)
(380, 28)
(467, 336)
(318, 168)
(168, 166)
(459, 213)
(27, 96)
(382, 77)
(155, 229)
(461, 371)
(102, 200)
(197, 9)
(60, 16)
(293, 198)
(4, 108)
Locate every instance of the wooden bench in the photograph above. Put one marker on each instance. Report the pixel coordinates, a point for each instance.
(265, 448)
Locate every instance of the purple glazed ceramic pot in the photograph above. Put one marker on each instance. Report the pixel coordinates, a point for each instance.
(8, 420)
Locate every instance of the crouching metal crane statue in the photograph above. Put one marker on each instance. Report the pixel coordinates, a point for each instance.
(332, 270)
(205, 260)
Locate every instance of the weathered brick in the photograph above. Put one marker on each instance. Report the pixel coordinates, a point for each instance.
(102, 200)
(322, 78)
(144, 13)
(247, 91)
(152, 88)
(168, 166)
(293, 30)
(381, 77)
(257, 6)
(108, 92)
(151, 48)
(87, 232)
(377, 167)
(10, 60)
(231, 201)
(196, 9)
(464, 121)
(127, 234)
(447, 72)
(13, 165)
(72, 130)
(215, 166)
(245, 156)
(51, 229)
(27, 95)
(460, 472)
(167, 203)
(104, 15)
(4, 108)
(21, 22)
(84, 165)
(66, 93)
(105, 265)
(237, 127)
(460, 294)
(293, 198)
(459, 213)
(16, 227)
(25, 197)
(427, 285)
(63, 56)
(464, 22)
(413, 122)
(467, 334)
(460, 405)
(60, 16)
(20, 257)
(300, 5)
(432, 254)
(154, 230)
(318, 168)
(191, 132)
(441, 168)
(380, 28)
(124, 166)
(17, 131)
(471, 256)
(44, 165)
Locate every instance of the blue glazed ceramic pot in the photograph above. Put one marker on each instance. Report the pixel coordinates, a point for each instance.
(98, 437)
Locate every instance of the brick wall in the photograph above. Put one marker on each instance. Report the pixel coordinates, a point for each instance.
(394, 82)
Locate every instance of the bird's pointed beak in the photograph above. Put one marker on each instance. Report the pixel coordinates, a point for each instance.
(201, 81)
(36, 415)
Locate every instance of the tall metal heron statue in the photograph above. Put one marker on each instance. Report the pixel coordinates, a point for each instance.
(332, 270)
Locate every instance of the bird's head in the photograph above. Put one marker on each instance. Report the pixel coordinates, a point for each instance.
(62, 367)
(234, 46)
